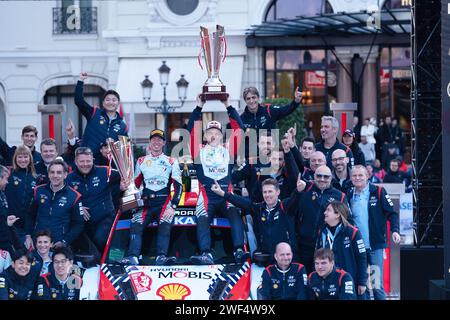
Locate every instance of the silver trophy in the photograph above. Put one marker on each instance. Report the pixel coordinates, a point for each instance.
(122, 155)
(213, 88)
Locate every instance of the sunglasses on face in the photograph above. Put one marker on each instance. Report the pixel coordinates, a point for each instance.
(322, 176)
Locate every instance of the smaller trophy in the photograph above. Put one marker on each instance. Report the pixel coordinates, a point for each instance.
(213, 88)
(122, 155)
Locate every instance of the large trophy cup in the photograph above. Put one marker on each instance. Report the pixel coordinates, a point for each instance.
(122, 155)
(213, 88)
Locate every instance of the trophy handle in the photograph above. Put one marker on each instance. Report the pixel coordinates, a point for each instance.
(221, 32)
(206, 48)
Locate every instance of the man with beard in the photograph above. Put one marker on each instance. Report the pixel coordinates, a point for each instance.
(310, 216)
(329, 130)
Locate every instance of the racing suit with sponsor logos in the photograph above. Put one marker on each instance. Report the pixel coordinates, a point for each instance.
(95, 188)
(157, 174)
(215, 164)
(290, 284)
(338, 285)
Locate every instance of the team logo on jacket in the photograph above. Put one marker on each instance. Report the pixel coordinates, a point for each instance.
(173, 291)
(95, 181)
(148, 163)
(291, 281)
(332, 290)
(263, 120)
(275, 286)
(141, 282)
(102, 120)
(116, 127)
(40, 290)
(346, 242)
(16, 183)
(62, 201)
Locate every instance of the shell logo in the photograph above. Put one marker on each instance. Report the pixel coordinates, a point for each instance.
(173, 291)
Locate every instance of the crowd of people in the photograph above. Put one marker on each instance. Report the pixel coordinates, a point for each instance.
(381, 149)
(316, 213)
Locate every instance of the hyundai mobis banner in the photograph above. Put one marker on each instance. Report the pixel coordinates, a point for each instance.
(216, 282)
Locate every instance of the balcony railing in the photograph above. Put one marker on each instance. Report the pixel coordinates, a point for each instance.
(75, 20)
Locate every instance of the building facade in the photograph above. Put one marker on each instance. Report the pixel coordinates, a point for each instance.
(48, 43)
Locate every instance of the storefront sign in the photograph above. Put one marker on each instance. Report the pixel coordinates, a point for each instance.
(315, 79)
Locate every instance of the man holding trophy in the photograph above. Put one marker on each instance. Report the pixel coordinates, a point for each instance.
(214, 161)
(157, 172)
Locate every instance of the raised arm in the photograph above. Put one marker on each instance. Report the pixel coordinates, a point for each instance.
(279, 112)
(237, 127)
(195, 128)
(290, 204)
(238, 201)
(85, 108)
(6, 151)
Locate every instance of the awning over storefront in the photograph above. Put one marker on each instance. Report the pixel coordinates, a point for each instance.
(389, 25)
(133, 70)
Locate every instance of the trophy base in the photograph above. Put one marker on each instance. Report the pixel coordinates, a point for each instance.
(131, 202)
(131, 205)
(214, 93)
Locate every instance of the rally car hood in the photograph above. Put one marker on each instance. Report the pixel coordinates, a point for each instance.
(213, 282)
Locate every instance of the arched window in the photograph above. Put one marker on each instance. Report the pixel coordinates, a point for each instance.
(65, 95)
(289, 9)
(2, 120)
(182, 8)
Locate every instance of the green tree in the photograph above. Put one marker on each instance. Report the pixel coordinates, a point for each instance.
(296, 117)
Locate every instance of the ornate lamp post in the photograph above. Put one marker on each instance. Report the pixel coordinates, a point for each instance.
(164, 108)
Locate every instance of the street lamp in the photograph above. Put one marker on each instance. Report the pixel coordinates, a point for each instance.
(164, 108)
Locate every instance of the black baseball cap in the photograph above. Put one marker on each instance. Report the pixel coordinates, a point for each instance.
(157, 133)
(349, 132)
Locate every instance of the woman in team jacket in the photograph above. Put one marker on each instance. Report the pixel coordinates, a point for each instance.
(347, 244)
(20, 188)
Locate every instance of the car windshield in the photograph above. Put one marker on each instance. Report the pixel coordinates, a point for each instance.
(183, 242)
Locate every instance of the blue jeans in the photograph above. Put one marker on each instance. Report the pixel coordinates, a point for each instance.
(376, 276)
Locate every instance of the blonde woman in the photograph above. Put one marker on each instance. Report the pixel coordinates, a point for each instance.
(20, 188)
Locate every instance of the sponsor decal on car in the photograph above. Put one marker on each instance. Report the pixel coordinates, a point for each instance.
(141, 282)
(173, 291)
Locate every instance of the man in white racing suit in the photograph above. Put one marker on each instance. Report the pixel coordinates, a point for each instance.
(157, 172)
